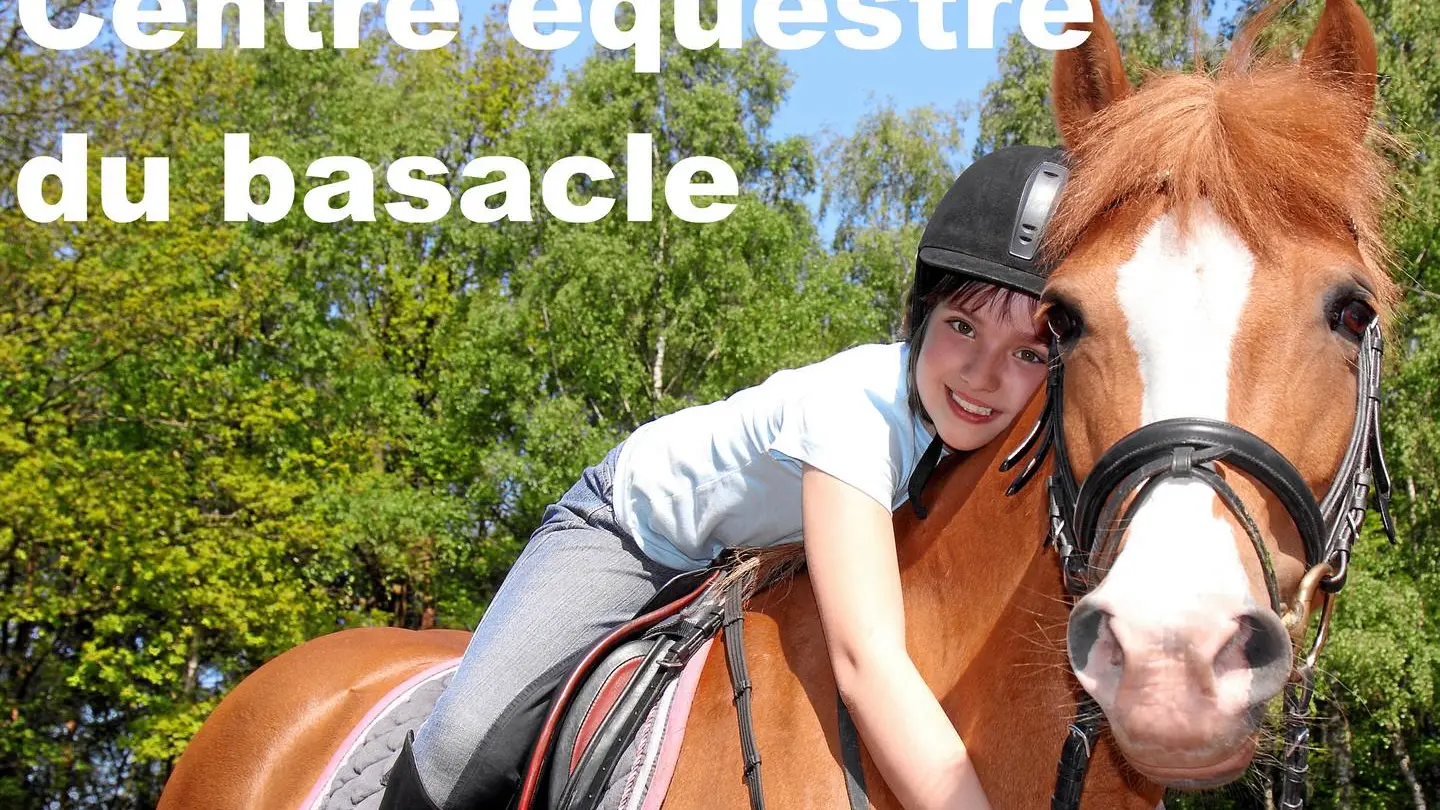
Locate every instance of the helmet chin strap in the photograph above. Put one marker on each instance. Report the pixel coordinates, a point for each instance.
(924, 468)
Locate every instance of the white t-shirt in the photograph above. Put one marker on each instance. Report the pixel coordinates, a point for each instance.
(727, 475)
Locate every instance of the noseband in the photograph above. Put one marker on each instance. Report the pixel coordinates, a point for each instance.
(1085, 531)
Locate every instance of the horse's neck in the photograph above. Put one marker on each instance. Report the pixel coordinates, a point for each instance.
(962, 565)
(985, 619)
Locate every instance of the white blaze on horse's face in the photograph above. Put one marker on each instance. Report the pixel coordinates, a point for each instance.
(1177, 602)
(1182, 295)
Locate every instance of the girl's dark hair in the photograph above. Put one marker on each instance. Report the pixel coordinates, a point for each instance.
(959, 291)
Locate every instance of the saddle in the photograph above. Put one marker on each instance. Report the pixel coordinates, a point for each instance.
(616, 693)
(611, 736)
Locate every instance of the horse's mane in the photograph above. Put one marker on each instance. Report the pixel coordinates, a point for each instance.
(760, 569)
(1272, 146)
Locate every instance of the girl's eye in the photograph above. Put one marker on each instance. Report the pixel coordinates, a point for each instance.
(962, 327)
(1030, 356)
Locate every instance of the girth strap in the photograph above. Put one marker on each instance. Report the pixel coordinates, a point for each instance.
(740, 681)
(850, 756)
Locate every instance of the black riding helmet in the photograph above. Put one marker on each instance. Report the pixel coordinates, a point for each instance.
(988, 226)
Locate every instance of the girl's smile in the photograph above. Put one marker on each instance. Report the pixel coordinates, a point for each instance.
(969, 409)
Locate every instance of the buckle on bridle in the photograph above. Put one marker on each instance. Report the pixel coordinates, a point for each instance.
(1297, 614)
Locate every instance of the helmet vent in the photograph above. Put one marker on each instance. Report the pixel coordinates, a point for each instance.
(1037, 203)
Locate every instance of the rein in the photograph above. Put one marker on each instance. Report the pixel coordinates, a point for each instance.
(1086, 534)
(733, 621)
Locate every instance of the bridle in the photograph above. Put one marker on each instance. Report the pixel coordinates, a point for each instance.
(1086, 533)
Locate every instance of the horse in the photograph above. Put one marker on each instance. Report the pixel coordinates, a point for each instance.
(1217, 311)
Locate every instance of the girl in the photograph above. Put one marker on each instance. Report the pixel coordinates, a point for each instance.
(821, 454)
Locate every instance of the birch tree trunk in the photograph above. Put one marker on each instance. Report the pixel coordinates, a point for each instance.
(1341, 745)
(1397, 744)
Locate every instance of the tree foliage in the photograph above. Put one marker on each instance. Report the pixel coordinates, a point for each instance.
(211, 434)
(880, 183)
(220, 439)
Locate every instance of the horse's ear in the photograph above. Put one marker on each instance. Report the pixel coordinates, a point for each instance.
(1342, 51)
(1087, 77)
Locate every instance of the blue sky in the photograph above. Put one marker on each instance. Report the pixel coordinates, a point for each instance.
(834, 85)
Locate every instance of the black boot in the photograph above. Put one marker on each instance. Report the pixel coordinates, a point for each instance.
(403, 790)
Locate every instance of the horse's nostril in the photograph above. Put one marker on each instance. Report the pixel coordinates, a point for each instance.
(1086, 622)
(1265, 642)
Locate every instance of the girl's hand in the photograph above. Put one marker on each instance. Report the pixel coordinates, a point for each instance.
(850, 549)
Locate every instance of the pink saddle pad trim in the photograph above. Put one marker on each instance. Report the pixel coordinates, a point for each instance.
(675, 728)
(343, 751)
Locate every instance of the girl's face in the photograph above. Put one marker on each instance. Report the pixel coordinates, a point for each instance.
(979, 365)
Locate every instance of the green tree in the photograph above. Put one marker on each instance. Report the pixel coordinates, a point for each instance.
(880, 184)
(597, 328)
(220, 439)
(185, 406)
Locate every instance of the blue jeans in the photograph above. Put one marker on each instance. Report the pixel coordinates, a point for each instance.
(580, 577)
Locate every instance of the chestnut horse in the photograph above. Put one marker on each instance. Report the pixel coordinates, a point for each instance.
(1223, 259)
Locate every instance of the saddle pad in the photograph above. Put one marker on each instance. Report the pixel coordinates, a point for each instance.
(643, 773)
(351, 780)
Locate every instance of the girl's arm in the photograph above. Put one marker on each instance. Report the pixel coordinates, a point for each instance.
(850, 549)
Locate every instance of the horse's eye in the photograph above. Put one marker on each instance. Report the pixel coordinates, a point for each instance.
(1350, 317)
(1063, 323)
